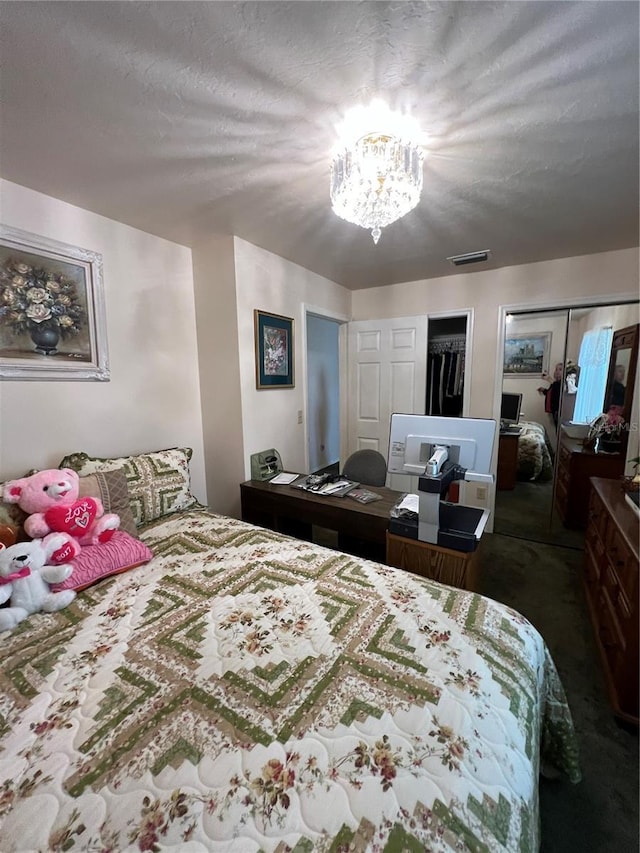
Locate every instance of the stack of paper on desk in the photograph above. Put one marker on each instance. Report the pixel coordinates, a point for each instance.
(284, 478)
(325, 484)
(337, 489)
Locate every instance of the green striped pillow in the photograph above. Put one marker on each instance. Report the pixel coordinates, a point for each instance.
(159, 482)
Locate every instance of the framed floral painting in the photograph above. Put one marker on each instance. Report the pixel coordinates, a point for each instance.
(274, 350)
(52, 317)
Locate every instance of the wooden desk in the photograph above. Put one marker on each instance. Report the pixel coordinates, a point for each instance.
(362, 529)
(294, 511)
(507, 460)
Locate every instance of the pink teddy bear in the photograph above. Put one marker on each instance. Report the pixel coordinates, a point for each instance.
(51, 499)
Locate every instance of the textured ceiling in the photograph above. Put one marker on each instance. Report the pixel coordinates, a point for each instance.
(186, 119)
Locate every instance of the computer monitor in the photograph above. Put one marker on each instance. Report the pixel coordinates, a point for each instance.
(510, 408)
(413, 438)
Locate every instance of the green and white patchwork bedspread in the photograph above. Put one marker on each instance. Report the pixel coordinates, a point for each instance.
(249, 692)
(534, 457)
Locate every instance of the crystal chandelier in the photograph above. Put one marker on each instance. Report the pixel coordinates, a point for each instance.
(376, 171)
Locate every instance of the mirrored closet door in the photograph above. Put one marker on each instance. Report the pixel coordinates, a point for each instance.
(557, 371)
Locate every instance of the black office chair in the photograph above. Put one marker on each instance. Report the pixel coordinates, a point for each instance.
(367, 467)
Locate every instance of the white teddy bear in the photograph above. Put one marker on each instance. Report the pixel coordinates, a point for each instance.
(25, 578)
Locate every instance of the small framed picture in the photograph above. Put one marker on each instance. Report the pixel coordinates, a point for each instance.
(52, 313)
(274, 350)
(527, 353)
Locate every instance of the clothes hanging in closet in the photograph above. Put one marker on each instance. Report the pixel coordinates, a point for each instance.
(445, 377)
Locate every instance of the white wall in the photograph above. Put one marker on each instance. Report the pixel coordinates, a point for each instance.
(267, 282)
(543, 284)
(153, 398)
(217, 324)
(616, 316)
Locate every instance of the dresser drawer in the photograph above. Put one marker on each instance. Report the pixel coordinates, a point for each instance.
(598, 515)
(562, 495)
(595, 545)
(610, 582)
(611, 586)
(623, 562)
(563, 475)
(564, 457)
(626, 613)
(611, 637)
(591, 566)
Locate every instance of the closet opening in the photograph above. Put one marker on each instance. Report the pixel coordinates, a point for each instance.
(446, 355)
(447, 386)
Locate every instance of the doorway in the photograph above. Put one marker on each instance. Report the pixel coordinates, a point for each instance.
(447, 345)
(323, 392)
(545, 342)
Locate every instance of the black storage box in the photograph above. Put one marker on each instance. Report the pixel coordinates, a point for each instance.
(457, 526)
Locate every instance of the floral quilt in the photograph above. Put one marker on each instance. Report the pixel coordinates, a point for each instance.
(534, 456)
(245, 691)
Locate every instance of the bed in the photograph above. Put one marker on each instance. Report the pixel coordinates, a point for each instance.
(246, 691)
(534, 455)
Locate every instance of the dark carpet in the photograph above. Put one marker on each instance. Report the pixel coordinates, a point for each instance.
(526, 512)
(544, 583)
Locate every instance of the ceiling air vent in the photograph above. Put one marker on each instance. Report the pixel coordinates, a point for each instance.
(470, 258)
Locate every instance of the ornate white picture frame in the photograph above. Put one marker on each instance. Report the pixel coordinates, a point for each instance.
(52, 311)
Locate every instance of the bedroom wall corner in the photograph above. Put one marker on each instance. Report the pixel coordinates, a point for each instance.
(612, 276)
(214, 281)
(152, 400)
(271, 283)
(606, 274)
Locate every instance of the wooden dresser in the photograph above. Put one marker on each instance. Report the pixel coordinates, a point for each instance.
(576, 466)
(611, 582)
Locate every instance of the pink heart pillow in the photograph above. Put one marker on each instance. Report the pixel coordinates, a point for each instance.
(75, 519)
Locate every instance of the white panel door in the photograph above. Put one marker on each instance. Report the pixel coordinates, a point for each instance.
(387, 373)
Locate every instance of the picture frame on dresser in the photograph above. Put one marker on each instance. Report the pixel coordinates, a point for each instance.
(52, 310)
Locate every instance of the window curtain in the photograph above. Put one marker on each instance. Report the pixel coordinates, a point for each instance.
(593, 361)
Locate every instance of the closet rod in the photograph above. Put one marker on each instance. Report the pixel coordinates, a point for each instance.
(442, 343)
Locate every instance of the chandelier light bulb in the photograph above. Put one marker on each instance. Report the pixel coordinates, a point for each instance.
(376, 170)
